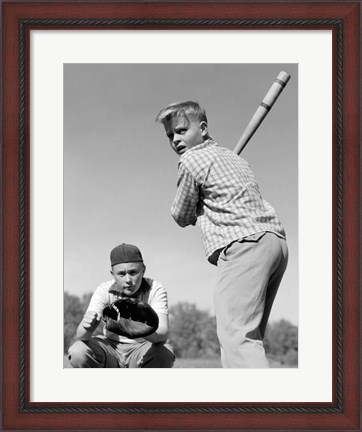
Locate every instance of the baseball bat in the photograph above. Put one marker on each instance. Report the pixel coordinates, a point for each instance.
(263, 109)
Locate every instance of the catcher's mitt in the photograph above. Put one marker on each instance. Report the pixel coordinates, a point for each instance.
(131, 318)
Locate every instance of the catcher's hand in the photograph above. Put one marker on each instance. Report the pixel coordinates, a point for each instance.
(131, 318)
(91, 320)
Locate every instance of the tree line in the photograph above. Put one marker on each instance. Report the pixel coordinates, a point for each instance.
(193, 331)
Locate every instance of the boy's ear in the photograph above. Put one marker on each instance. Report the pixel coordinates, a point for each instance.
(203, 127)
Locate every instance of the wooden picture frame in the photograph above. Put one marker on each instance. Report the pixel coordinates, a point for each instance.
(18, 19)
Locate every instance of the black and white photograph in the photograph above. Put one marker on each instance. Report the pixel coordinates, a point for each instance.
(180, 215)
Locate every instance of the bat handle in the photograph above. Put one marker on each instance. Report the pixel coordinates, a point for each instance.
(263, 109)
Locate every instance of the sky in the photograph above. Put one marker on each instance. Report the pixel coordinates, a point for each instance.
(120, 173)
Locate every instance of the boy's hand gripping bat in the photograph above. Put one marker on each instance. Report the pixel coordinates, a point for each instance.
(263, 109)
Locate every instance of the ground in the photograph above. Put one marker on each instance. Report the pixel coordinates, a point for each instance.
(193, 363)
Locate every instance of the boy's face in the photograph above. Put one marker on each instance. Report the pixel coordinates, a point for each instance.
(183, 134)
(128, 277)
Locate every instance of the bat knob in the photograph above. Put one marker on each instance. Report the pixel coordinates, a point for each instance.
(284, 77)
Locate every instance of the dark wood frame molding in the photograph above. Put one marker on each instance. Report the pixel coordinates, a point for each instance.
(18, 19)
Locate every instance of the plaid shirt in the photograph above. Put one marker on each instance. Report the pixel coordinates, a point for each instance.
(217, 190)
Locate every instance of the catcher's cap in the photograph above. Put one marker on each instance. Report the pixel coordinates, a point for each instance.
(125, 253)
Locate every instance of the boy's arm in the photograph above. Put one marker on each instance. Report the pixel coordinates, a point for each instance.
(88, 325)
(93, 314)
(184, 207)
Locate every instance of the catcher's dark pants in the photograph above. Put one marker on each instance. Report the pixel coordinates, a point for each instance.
(100, 352)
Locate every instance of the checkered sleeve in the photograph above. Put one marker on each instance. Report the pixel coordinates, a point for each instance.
(184, 207)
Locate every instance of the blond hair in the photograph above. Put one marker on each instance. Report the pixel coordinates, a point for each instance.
(186, 109)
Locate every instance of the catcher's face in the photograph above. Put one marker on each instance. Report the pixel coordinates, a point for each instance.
(128, 277)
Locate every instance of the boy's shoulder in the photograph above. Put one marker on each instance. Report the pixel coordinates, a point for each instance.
(201, 155)
(202, 151)
(199, 161)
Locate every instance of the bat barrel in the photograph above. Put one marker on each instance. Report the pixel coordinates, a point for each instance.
(263, 109)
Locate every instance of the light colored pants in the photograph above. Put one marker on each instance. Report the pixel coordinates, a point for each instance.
(249, 273)
(101, 352)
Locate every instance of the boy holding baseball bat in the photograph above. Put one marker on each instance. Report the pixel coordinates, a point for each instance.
(241, 232)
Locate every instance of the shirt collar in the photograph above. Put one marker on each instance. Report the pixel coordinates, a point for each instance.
(113, 289)
(201, 146)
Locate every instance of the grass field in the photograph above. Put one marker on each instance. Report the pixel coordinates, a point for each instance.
(179, 363)
(195, 363)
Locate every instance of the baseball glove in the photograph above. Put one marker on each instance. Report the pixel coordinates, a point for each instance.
(131, 318)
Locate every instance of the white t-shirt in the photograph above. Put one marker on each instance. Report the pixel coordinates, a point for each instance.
(105, 294)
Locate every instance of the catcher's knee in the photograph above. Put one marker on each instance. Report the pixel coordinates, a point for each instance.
(77, 354)
(158, 356)
(81, 356)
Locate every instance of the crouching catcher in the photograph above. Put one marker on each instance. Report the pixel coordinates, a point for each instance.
(134, 310)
